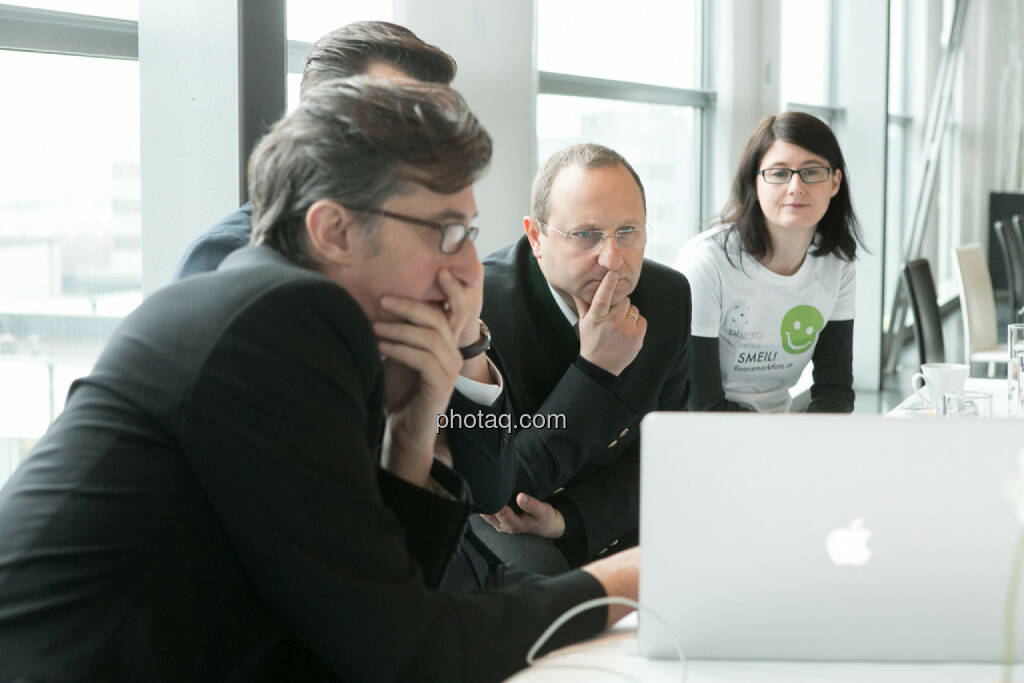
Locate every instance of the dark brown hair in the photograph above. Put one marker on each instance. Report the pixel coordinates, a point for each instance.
(358, 141)
(837, 231)
(353, 48)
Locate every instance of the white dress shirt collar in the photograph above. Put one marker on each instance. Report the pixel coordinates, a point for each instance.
(567, 310)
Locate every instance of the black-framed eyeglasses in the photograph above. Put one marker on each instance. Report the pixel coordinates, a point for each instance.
(584, 240)
(808, 174)
(453, 235)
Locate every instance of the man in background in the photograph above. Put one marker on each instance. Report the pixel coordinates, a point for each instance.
(587, 330)
(373, 48)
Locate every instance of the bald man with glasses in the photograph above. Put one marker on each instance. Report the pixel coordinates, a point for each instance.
(590, 337)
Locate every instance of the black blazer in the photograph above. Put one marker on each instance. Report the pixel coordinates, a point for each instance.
(596, 457)
(209, 507)
(232, 233)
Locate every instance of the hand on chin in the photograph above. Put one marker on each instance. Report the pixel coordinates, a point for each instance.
(622, 289)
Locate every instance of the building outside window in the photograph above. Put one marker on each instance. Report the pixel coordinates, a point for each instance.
(70, 231)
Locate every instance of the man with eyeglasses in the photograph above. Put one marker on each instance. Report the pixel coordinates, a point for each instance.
(211, 505)
(373, 48)
(378, 49)
(385, 50)
(584, 327)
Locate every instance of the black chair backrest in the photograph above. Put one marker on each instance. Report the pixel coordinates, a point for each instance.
(1014, 262)
(1015, 238)
(925, 303)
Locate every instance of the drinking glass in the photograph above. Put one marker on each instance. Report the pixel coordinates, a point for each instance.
(1015, 348)
(967, 404)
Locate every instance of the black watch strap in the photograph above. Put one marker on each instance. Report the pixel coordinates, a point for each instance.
(480, 345)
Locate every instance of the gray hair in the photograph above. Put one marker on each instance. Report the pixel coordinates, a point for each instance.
(359, 141)
(587, 155)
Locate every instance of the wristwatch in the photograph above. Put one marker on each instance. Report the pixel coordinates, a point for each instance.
(480, 345)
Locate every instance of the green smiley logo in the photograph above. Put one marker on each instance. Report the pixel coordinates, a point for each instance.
(800, 327)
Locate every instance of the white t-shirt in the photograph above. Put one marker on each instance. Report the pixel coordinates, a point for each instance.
(767, 324)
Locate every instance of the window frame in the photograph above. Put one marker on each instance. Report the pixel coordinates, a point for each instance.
(40, 30)
(703, 99)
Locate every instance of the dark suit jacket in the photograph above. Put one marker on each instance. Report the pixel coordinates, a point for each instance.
(475, 565)
(213, 246)
(596, 457)
(209, 507)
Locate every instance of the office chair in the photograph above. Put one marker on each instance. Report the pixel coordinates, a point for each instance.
(1013, 261)
(978, 306)
(917, 275)
(1015, 235)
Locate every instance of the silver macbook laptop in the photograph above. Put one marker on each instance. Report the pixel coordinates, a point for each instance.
(846, 538)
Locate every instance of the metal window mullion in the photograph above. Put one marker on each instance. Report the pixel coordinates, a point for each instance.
(707, 114)
(262, 61)
(829, 114)
(833, 55)
(905, 121)
(36, 30)
(905, 95)
(551, 83)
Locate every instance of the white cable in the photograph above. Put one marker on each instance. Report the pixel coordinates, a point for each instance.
(599, 602)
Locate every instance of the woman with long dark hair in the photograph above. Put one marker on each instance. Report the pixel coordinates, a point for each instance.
(773, 280)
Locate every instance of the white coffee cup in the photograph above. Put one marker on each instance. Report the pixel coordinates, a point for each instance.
(940, 379)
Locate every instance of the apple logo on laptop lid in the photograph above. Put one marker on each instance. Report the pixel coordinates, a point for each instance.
(849, 545)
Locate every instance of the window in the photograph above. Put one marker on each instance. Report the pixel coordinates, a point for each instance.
(307, 20)
(924, 39)
(911, 47)
(654, 138)
(805, 54)
(656, 42)
(631, 80)
(899, 128)
(807, 58)
(70, 234)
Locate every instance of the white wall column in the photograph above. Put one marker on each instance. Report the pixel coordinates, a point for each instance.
(861, 75)
(493, 43)
(741, 78)
(189, 72)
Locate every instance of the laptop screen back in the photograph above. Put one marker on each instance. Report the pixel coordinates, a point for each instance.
(810, 537)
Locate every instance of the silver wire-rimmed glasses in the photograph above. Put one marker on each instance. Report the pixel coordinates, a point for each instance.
(628, 237)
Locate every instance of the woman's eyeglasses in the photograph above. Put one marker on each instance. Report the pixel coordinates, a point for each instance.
(808, 174)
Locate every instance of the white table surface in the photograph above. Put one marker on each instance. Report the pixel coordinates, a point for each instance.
(614, 657)
(914, 406)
